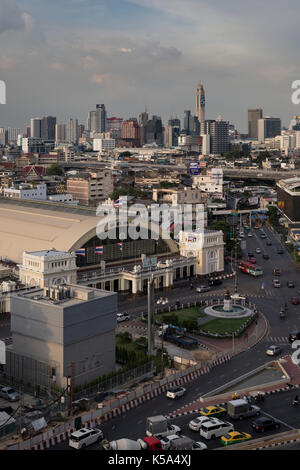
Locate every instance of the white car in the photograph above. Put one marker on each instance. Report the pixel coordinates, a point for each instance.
(199, 446)
(175, 392)
(122, 317)
(85, 437)
(257, 250)
(196, 423)
(166, 441)
(250, 235)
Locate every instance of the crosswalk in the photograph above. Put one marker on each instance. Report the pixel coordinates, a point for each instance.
(278, 339)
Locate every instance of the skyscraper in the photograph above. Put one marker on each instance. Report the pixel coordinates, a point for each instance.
(96, 120)
(35, 127)
(200, 103)
(72, 131)
(253, 116)
(219, 135)
(48, 128)
(268, 127)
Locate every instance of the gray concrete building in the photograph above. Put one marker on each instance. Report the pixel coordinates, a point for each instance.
(66, 325)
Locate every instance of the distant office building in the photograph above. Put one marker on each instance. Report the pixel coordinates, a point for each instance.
(72, 131)
(27, 191)
(81, 128)
(36, 128)
(288, 198)
(96, 121)
(200, 103)
(171, 134)
(295, 123)
(268, 127)
(187, 122)
(89, 188)
(154, 131)
(60, 133)
(253, 116)
(27, 131)
(143, 118)
(100, 145)
(114, 127)
(205, 144)
(219, 135)
(48, 128)
(131, 131)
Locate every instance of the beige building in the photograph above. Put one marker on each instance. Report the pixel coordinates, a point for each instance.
(207, 246)
(88, 188)
(47, 268)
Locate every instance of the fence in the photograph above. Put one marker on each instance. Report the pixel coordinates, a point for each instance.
(116, 381)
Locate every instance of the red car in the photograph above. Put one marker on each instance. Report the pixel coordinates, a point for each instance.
(252, 260)
(295, 301)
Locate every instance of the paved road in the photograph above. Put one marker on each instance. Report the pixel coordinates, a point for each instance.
(277, 406)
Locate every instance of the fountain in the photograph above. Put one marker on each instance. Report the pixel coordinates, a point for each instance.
(228, 309)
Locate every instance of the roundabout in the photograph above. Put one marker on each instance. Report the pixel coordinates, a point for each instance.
(228, 309)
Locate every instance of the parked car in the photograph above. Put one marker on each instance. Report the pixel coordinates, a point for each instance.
(122, 317)
(8, 393)
(234, 437)
(202, 289)
(250, 235)
(213, 411)
(295, 301)
(215, 282)
(273, 350)
(215, 428)
(85, 437)
(290, 284)
(175, 392)
(252, 260)
(263, 423)
(268, 242)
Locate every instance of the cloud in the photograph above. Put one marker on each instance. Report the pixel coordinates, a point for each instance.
(6, 63)
(98, 79)
(56, 66)
(12, 17)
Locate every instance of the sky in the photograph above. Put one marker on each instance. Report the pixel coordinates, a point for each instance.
(62, 57)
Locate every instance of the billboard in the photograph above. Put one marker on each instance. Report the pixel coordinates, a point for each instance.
(195, 168)
(253, 201)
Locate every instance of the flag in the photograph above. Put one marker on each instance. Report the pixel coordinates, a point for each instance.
(99, 250)
(120, 245)
(80, 252)
(120, 201)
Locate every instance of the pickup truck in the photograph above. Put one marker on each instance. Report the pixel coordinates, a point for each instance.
(240, 409)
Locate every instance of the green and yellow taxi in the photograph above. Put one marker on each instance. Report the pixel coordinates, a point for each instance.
(214, 411)
(233, 437)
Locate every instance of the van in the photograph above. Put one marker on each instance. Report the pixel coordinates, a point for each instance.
(85, 437)
(215, 428)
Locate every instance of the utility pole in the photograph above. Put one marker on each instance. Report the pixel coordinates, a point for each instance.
(71, 388)
(151, 345)
(162, 351)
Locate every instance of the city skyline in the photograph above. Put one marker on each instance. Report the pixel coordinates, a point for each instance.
(125, 54)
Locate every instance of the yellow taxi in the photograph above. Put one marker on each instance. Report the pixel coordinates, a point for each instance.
(233, 437)
(213, 411)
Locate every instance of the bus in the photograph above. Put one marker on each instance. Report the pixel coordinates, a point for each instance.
(250, 268)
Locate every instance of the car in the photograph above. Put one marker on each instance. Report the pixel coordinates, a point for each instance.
(215, 428)
(202, 289)
(122, 317)
(266, 256)
(199, 446)
(276, 272)
(257, 250)
(263, 235)
(290, 284)
(175, 392)
(252, 260)
(166, 441)
(234, 437)
(268, 242)
(85, 437)
(250, 254)
(273, 350)
(280, 251)
(250, 235)
(215, 282)
(294, 335)
(196, 423)
(213, 411)
(8, 393)
(263, 423)
(276, 283)
(295, 301)
(242, 235)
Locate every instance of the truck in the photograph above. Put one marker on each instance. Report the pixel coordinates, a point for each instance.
(147, 443)
(240, 409)
(178, 336)
(158, 426)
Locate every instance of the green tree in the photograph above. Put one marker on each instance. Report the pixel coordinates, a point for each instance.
(54, 170)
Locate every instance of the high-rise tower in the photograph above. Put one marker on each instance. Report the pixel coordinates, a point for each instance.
(200, 103)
